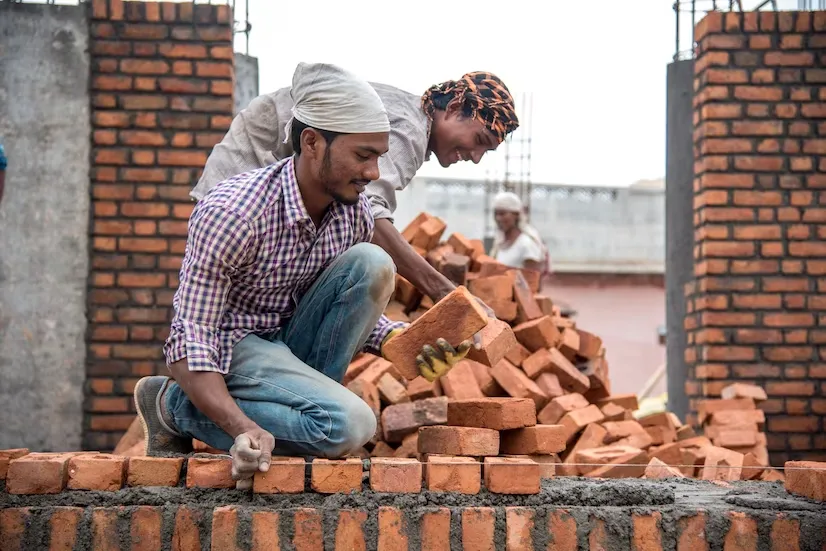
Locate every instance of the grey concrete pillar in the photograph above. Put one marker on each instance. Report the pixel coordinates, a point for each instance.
(679, 224)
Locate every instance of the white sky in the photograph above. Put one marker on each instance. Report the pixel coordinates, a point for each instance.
(596, 69)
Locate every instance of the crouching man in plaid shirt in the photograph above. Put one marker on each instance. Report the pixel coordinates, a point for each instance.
(280, 287)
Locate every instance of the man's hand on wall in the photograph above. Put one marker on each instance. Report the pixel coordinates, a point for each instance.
(251, 452)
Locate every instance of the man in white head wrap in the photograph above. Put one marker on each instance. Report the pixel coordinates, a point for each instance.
(279, 289)
(517, 243)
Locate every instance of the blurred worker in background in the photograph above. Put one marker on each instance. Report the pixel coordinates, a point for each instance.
(457, 120)
(517, 243)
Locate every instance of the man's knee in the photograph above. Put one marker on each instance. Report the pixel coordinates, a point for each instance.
(372, 262)
(357, 427)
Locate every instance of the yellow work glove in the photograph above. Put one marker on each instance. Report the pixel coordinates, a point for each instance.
(435, 362)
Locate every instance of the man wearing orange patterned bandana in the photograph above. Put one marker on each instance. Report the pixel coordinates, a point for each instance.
(457, 120)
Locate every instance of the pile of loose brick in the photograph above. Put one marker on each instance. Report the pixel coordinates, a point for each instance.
(539, 388)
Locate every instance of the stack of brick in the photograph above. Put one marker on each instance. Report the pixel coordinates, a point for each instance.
(532, 355)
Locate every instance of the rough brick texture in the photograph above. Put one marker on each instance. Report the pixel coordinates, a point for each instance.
(161, 92)
(756, 309)
(399, 527)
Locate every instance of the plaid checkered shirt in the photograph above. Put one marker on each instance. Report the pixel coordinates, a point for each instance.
(251, 254)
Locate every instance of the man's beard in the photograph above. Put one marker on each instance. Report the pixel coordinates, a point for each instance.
(325, 176)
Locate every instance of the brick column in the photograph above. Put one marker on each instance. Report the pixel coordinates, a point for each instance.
(161, 92)
(757, 306)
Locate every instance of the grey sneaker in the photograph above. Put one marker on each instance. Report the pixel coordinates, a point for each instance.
(159, 439)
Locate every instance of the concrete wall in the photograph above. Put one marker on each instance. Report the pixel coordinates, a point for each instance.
(586, 230)
(246, 80)
(44, 224)
(679, 228)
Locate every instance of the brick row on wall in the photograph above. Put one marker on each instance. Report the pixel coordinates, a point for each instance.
(757, 305)
(161, 92)
(227, 528)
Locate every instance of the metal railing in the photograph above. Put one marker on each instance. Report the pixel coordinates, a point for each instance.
(691, 11)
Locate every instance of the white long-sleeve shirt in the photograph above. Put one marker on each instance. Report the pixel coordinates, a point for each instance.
(256, 139)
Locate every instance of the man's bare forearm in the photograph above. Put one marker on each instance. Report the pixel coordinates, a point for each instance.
(209, 394)
(409, 264)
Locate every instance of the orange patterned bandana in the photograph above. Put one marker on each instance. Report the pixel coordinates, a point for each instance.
(487, 97)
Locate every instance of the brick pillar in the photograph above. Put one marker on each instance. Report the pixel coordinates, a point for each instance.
(757, 305)
(161, 92)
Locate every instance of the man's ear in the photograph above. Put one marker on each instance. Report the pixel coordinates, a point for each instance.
(454, 107)
(311, 143)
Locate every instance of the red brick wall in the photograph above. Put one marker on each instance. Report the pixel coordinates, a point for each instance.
(161, 92)
(757, 308)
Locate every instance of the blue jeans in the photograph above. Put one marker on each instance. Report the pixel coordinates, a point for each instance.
(289, 383)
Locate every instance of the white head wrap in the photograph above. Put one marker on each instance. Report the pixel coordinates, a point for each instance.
(508, 201)
(330, 98)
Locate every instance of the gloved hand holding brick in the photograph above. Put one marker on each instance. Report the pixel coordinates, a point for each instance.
(449, 325)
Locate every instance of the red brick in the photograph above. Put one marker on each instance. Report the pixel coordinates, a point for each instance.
(569, 376)
(517, 384)
(308, 534)
(146, 528)
(213, 69)
(520, 525)
(593, 458)
(460, 383)
(492, 413)
(647, 532)
(497, 339)
(742, 534)
(558, 407)
(203, 472)
(598, 536)
(629, 465)
(396, 475)
(401, 420)
(478, 529)
(706, 408)
(105, 529)
(692, 532)
(285, 476)
(13, 523)
(549, 384)
(37, 473)
(658, 469)
(96, 472)
(537, 363)
(350, 530)
(806, 478)
(392, 529)
(785, 534)
(455, 318)
(484, 379)
(265, 531)
(63, 526)
(519, 353)
(453, 474)
(225, 528)
(577, 420)
(538, 333)
(536, 440)
(458, 441)
(331, 476)
(186, 534)
(561, 531)
(154, 471)
(435, 530)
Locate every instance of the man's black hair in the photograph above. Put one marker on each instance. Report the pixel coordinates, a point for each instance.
(440, 102)
(298, 127)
